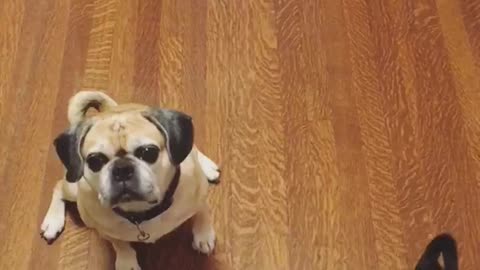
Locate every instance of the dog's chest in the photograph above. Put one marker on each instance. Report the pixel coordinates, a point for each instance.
(109, 224)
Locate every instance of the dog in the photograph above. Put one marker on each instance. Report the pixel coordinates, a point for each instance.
(134, 173)
(443, 244)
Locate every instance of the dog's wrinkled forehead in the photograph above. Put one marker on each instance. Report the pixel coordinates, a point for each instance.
(123, 131)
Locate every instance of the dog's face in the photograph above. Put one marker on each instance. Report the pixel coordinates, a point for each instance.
(127, 157)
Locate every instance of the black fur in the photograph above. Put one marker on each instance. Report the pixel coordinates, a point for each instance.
(177, 128)
(68, 145)
(443, 244)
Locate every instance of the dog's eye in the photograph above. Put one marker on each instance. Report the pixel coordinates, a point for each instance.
(147, 153)
(96, 161)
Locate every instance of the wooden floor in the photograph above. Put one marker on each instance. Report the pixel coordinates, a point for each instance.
(348, 131)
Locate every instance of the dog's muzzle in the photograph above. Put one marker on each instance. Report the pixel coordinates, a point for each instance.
(123, 170)
(124, 182)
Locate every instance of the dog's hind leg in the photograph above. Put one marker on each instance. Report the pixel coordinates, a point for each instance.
(209, 168)
(54, 220)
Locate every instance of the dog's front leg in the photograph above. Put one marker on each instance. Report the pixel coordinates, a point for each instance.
(203, 232)
(54, 220)
(126, 257)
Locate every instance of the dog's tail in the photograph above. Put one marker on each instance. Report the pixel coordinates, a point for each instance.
(442, 244)
(84, 100)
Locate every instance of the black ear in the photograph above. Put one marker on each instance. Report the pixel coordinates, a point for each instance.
(68, 146)
(177, 128)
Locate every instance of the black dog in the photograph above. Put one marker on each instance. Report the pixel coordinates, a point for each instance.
(443, 244)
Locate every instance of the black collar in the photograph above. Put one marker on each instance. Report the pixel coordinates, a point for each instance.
(139, 217)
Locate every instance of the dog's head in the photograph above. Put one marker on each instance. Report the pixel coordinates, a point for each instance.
(127, 154)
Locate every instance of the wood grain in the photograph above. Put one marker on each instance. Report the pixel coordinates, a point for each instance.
(347, 131)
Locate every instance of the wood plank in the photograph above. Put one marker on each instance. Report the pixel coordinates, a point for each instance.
(41, 48)
(465, 78)
(367, 57)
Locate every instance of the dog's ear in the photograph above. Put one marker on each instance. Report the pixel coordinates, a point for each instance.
(177, 128)
(68, 145)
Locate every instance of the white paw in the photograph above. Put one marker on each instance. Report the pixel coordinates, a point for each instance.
(127, 263)
(212, 174)
(204, 241)
(210, 169)
(52, 226)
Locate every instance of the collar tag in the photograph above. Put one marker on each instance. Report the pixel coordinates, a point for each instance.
(142, 235)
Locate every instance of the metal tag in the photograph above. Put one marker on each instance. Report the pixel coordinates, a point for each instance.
(142, 235)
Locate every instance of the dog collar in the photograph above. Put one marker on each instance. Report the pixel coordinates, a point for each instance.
(137, 218)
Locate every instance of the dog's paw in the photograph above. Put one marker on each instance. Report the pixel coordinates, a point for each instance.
(213, 176)
(52, 226)
(127, 264)
(212, 172)
(204, 241)
(209, 168)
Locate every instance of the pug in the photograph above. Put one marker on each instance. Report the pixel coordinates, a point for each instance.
(134, 173)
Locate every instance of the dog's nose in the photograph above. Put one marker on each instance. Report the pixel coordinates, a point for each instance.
(123, 170)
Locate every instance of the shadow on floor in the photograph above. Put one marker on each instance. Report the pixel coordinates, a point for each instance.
(173, 251)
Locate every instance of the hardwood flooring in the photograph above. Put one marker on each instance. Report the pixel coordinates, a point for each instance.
(348, 131)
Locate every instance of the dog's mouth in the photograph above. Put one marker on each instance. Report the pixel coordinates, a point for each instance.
(125, 196)
(129, 196)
